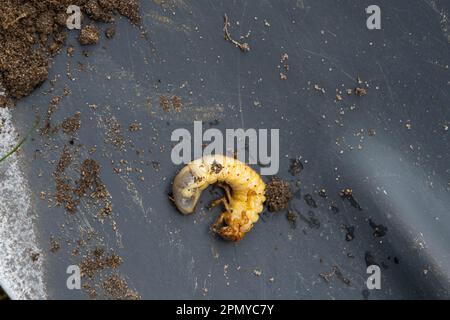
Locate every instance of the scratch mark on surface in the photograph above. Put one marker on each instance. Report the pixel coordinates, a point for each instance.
(391, 95)
(129, 50)
(241, 114)
(444, 20)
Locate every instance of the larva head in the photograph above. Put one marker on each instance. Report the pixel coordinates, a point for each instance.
(185, 191)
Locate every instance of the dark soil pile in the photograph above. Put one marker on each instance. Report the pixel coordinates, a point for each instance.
(278, 194)
(33, 31)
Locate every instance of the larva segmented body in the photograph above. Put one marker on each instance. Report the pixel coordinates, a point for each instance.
(244, 192)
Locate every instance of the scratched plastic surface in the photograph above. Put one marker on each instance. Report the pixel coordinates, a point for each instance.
(400, 176)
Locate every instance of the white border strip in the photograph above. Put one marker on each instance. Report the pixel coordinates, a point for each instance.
(20, 277)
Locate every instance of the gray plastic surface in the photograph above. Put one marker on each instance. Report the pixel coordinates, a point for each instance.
(400, 176)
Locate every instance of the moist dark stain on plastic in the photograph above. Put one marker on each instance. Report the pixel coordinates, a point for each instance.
(365, 293)
(379, 230)
(296, 166)
(334, 208)
(349, 232)
(348, 195)
(370, 259)
(310, 220)
(310, 201)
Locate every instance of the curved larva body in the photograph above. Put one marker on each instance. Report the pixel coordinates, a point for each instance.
(243, 203)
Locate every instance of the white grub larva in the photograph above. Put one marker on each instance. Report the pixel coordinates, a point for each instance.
(244, 193)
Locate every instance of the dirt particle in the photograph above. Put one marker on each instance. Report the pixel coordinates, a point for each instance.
(378, 229)
(348, 195)
(257, 272)
(296, 166)
(52, 107)
(63, 194)
(134, 126)
(176, 103)
(335, 271)
(256, 103)
(292, 216)
(278, 194)
(70, 51)
(322, 193)
(216, 167)
(114, 134)
(89, 35)
(318, 88)
(110, 32)
(284, 60)
(164, 103)
(360, 91)
(54, 245)
(34, 256)
(71, 124)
